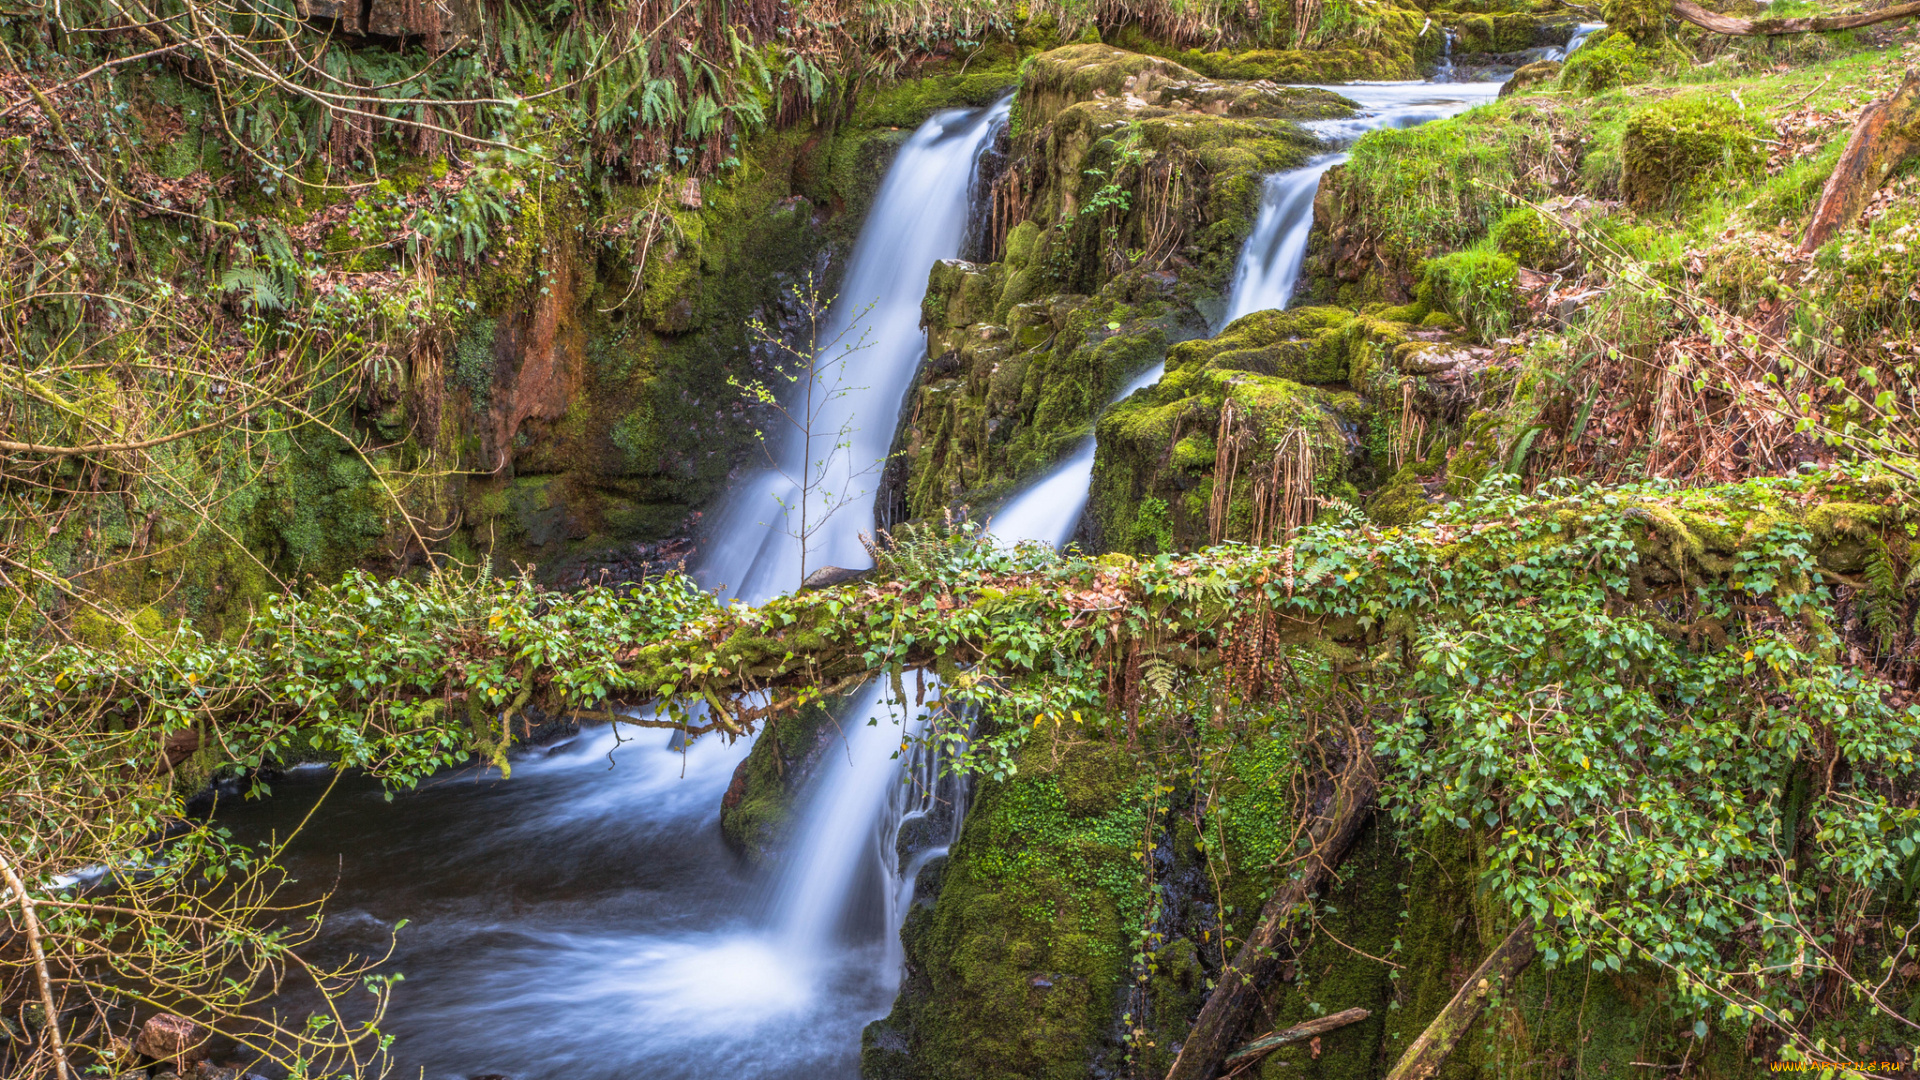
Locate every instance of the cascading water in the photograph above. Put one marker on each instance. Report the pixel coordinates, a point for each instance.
(585, 920)
(919, 217)
(1580, 35)
(1270, 263)
(1050, 510)
(1269, 266)
(1265, 276)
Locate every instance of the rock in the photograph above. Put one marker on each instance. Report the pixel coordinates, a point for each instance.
(1530, 76)
(167, 1037)
(828, 576)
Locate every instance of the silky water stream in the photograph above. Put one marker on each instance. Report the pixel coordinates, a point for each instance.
(1266, 275)
(585, 920)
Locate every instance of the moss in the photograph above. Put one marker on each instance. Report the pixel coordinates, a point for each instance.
(1508, 32)
(1014, 970)
(906, 103)
(1601, 65)
(1402, 500)
(1531, 238)
(1529, 76)
(756, 811)
(1408, 195)
(1681, 148)
(1644, 21)
(1133, 462)
(1306, 345)
(1478, 286)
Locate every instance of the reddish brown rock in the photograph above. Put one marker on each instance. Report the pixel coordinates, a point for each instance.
(171, 1038)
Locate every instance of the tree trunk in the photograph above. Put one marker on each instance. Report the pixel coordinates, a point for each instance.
(1428, 1052)
(1349, 798)
(1267, 1044)
(1887, 133)
(1727, 24)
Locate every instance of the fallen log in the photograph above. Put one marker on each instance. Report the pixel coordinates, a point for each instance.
(1885, 136)
(1423, 1059)
(1730, 25)
(1267, 1044)
(1238, 991)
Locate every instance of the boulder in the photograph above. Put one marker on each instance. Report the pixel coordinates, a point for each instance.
(167, 1037)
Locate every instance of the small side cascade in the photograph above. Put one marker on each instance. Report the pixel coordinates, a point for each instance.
(1580, 35)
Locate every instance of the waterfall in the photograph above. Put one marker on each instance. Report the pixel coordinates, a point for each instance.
(842, 824)
(919, 217)
(1263, 278)
(837, 886)
(1050, 510)
(1580, 35)
(1269, 265)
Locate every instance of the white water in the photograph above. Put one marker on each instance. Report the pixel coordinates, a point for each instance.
(1269, 266)
(584, 920)
(1264, 277)
(835, 835)
(1270, 263)
(919, 217)
(1049, 511)
(1580, 35)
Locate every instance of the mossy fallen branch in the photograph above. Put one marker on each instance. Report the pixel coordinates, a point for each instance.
(1493, 977)
(1807, 24)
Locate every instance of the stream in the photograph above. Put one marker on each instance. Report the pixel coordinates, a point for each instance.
(585, 920)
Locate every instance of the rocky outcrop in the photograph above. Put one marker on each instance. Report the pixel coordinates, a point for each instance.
(1131, 183)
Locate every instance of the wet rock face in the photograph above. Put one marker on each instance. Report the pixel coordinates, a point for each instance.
(1142, 83)
(756, 811)
(1129, 184)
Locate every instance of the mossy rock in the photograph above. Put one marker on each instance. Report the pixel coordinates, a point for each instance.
(1055, 80)
(1509, 32)
(1480, 287)
(1013, 971)
(1601, 65)
(757, 810)
(1645, 21)
(1531, 238)
(1678, 149)
(1529, 76)
(1147, 496)
(1301, 344)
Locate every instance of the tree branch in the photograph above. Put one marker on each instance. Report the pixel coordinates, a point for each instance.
(1423, 1059)
(1728, 24)
(1238, 991)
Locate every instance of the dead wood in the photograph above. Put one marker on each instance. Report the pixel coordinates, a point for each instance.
(1728, 24)
(1349, 798)
(1886, 135)
(1267, 1044)
(1423, 1059)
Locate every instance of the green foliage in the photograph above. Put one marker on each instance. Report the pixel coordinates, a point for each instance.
(1613, 60)
(1643, 21)
(1152, 528)
(1480, 287)
(1682, 148)
(1622, 809)
(1535, 240)
(1438, 187)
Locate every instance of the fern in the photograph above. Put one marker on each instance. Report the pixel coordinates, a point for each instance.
(1883, 594)
(1159, 676)
(261, 291)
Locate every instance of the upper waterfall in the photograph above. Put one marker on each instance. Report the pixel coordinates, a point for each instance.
(919, 217)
